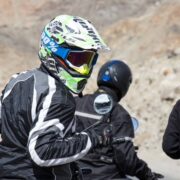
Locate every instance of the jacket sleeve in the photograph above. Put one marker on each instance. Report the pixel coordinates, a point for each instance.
(1, 97)
(0, 110)
(125, 155)
(0, 114)
(50, 141)
(171, 138)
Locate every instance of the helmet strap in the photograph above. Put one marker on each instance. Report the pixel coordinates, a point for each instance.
(80, 94)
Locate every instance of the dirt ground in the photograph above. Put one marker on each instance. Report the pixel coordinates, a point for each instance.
(160, 163)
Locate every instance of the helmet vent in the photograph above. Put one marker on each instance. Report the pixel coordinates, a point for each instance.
(70, 30)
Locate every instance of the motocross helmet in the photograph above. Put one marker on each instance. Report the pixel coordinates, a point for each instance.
(117, 75)
(69, 49)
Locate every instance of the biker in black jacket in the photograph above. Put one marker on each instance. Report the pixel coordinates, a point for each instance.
(119, 158)
(171, 138)
(37, 108)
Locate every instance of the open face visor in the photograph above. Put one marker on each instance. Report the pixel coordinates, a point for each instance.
(81, 61)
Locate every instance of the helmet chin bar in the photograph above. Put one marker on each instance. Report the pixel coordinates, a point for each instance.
(81, 87)
(74, 84)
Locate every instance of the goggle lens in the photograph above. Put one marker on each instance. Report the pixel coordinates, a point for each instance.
(79, 58)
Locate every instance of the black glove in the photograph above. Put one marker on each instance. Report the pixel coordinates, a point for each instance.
(152, 176)
(100, 134)
(107, 135)
(158, 175)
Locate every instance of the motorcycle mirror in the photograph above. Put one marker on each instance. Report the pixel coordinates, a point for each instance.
(103, 104)
(135, 123)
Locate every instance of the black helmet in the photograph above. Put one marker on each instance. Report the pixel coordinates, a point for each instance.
(117, 75)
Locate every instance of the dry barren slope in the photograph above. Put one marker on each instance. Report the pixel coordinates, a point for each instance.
(150, 44)
(144, 33)
(22, 21)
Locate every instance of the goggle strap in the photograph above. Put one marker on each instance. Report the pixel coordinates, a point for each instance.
(95, 59)
(53, 46)
(61, 61)
(62, 52)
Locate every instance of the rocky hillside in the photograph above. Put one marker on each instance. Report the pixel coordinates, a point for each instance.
(150, 44)
(22, 21)
(144, 33)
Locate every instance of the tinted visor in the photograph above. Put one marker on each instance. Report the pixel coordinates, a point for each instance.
(79, 58)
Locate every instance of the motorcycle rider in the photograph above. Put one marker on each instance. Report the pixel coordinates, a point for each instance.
(118, 158)
(37, 108)
(171, 138)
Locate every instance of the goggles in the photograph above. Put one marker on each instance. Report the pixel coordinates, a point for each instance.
(81, 61)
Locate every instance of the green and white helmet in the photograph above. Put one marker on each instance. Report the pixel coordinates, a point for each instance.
(69, 49)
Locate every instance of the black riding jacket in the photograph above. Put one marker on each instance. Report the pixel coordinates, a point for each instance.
(171, 138)
(117, 159)
(36, 113)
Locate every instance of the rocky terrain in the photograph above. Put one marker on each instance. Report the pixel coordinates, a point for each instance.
(144, 33)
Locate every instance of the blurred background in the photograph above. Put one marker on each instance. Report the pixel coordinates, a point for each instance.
(144, 33)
